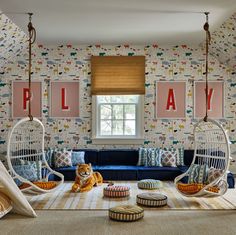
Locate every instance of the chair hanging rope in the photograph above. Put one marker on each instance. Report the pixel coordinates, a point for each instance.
(32, 38)
(208, 39)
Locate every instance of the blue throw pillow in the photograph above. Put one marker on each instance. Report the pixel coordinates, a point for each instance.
(28, 171)
(77, 158)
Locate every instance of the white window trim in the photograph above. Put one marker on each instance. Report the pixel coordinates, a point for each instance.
(138, 139)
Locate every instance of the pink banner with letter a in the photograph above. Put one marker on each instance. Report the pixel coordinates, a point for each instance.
(170, 99)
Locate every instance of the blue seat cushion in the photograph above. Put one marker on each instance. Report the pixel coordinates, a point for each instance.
(114, 172)
(159, 173)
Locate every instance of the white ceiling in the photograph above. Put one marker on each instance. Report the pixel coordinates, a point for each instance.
(118, 21)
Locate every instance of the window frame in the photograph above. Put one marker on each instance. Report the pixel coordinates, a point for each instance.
(138, 138)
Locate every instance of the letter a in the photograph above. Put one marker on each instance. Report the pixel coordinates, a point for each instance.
(171, 100)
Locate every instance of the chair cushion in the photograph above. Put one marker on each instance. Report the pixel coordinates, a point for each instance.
(194, 188)
(149, 184)
(126, 213)
(115, 191)
(151, 199)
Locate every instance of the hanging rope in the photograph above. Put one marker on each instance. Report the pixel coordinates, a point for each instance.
(32, 38)
(208, 40)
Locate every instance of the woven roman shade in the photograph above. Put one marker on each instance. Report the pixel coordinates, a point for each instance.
(118, 75)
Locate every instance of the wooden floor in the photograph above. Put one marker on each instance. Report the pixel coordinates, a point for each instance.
(90, 222)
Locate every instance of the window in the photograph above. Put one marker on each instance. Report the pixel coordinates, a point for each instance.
(117, 118)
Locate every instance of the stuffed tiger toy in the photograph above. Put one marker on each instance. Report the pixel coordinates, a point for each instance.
(86, 178)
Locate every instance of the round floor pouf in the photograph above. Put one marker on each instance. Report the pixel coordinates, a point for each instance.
(126, 213)
(149, 184)
(116, 191)
(151, 199)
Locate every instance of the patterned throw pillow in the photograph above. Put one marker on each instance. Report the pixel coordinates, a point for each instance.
(153, 157)
(63, 159)
(198, 174)
(168, 158)
(142, 156)
(27, 171)
(213, 174)
(179, 155)
(38, 167)
(77, 158)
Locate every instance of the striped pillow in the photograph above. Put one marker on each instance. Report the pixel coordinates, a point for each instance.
(198, 174)
(142, 156)
(153, 157)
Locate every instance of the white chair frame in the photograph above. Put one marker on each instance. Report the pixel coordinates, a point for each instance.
(21, 138)
(210, 137)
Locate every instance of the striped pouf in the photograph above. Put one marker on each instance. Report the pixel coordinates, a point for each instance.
(151, 199)
(149, 184)
(116, 191)
(126, 213)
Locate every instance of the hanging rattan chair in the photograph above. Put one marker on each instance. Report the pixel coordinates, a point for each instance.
(212, 147)
(26, 145)
(211, 152)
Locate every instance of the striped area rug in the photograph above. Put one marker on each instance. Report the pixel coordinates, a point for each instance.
(93, 200)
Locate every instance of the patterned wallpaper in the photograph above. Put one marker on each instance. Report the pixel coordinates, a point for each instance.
(12, 41)
(223, 45)
(70, 62)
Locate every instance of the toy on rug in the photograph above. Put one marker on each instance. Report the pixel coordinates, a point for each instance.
(86, 178)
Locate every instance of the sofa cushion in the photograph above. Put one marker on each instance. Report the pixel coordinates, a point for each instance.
(127, 157)
(115, 172)
(159, 173)
(188, 156)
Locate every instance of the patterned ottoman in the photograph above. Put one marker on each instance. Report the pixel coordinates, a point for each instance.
(126, 213)
(116, 191)
(151, 199)
(149, 184)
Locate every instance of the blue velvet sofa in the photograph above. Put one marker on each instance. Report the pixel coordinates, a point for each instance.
(121, 164)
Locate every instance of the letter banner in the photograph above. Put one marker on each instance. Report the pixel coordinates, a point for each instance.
(170, 99)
